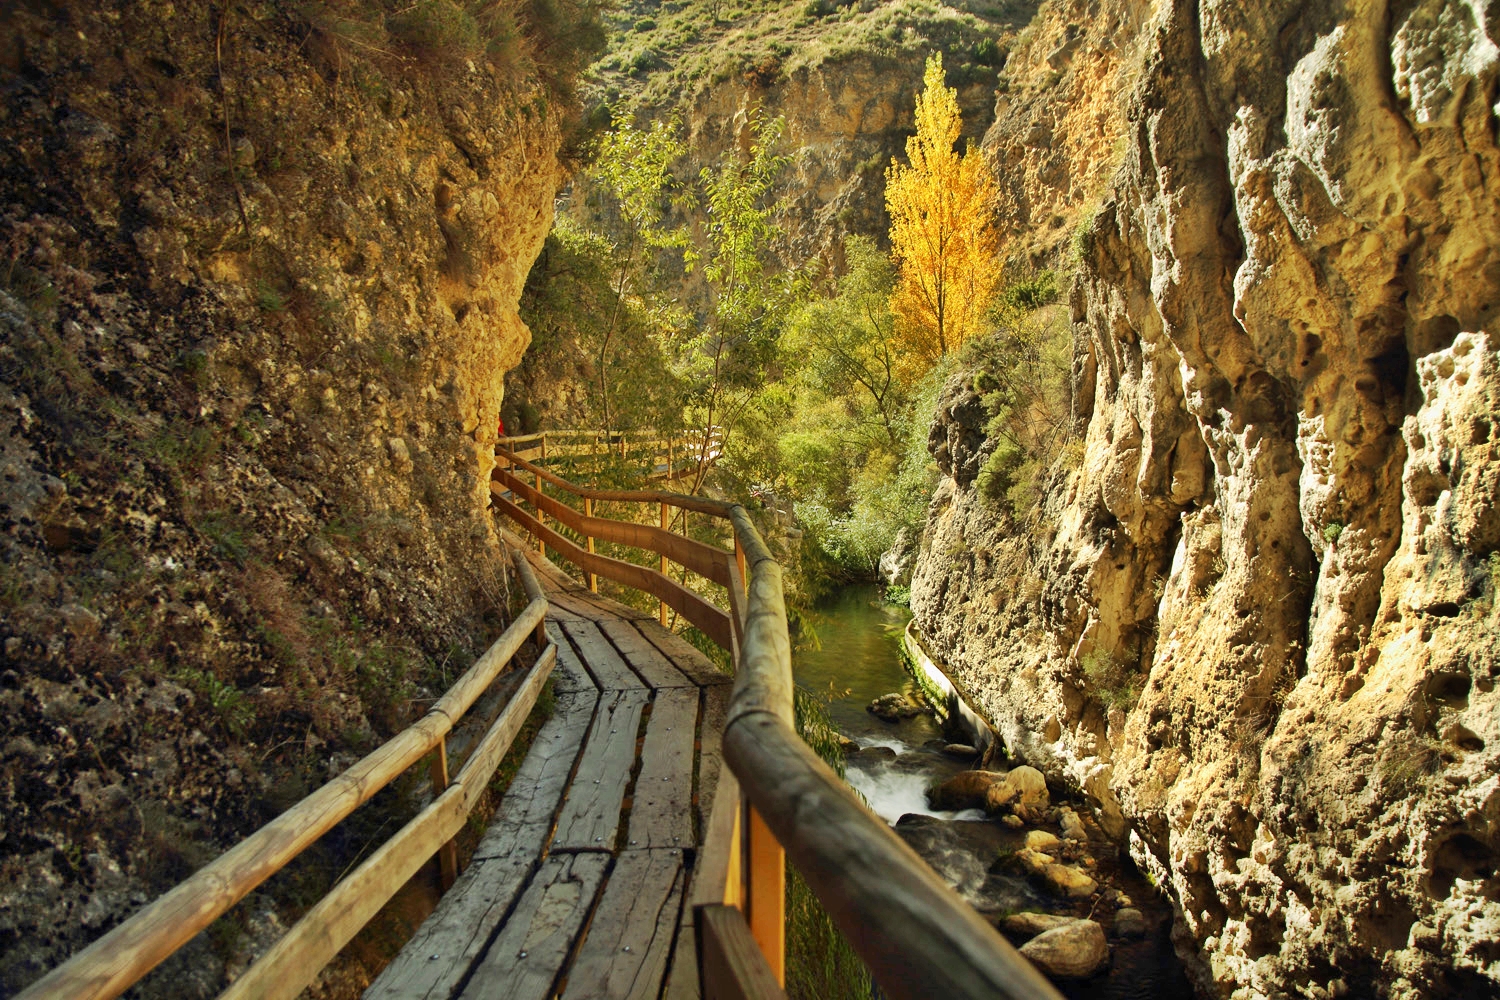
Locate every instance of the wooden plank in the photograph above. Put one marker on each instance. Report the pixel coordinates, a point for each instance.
(592, 607)
(648, 661)
(733, 967)
(529, 953)
(439, 955)
(590, 817)
(683, 655)
(717, 876)
(624, 956)
(570, 675)
(710, 750)
(603, 661)
(661, 814)
(682, 975)
(521, 824)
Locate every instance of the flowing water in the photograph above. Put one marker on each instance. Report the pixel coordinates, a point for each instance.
(857, 660)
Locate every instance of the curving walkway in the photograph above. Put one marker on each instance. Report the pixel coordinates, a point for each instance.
(580, 886)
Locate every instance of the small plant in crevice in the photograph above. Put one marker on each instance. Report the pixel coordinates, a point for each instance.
(1109, 680)
(1331, 531)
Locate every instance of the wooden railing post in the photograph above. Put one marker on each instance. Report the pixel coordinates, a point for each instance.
(765, 891)
(447, 854)
(588, 511)
(661, 603)
(541, 518)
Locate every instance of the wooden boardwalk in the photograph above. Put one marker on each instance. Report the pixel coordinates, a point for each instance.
(579, 887)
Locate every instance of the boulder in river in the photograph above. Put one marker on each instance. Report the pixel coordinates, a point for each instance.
(893, 707)
(1076, 950)
(1072, 826)
(965, 790)
(1062, 880)
(1023, 792)
(1030, 924)
(960, 750)
(1041, 840)
(1130, 922)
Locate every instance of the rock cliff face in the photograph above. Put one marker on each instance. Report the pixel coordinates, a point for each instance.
(1257, 625)
(258, 291)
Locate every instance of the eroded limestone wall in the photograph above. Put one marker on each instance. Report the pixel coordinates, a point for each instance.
(258, 284)
(1284, 528)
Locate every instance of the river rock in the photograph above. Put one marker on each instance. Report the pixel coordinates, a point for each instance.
(867, 755)
(965, 790)
(1041, 840)
(1063, 880)
(1072, 826)
(1076, 950)
(1130, 922)
(1023, 791)
(1030, 924)
(893, 707)
(960, 750)
(1013, 821)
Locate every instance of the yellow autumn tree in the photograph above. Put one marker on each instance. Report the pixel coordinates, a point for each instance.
(942, 232)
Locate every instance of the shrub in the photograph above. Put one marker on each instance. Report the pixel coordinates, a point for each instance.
(1110, 681)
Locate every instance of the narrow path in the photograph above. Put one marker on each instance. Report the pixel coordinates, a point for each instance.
(577, 888)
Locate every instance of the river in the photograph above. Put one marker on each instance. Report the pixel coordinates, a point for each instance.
(858, 659)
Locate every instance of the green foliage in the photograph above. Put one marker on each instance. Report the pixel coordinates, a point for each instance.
(1110, 681)
(233, 711)
(1022, 368)
(820, 964)
(898, 595)
(1331, 531)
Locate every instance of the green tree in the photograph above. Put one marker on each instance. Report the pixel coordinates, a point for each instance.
(634, 166)
(748, 303)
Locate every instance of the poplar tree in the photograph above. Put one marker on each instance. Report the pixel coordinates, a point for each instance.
(942, 232)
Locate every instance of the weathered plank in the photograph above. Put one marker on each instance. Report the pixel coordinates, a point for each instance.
(682, 974)
(662, 812)
(570, 674)
(439, 955)
(711, 749)
(683, 656)
(648, 661)
(607, 666)
(624, 956)
(522, 822)
(590, 817)
(529, 953)
(582, 604)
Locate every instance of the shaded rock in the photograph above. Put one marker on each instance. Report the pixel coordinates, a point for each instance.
(960, 750)
(1130, 922)
(1076, 950)
(1072, 826)
(955, 850)
(1030, 923)
(893, 707)
(965, 790)
(870, 754)
(1060, 879)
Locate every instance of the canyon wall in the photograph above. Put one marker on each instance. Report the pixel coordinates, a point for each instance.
(1256, 622)
(258, 290)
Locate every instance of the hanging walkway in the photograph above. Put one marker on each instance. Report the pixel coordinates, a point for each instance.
(578, 887)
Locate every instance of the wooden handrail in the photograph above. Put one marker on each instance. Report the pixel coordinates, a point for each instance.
(698, 505)
(916, 935)
(118, 960)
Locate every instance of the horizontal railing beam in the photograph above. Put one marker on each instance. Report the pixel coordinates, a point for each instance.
(705, 560)
(711, 620)
(701, 505)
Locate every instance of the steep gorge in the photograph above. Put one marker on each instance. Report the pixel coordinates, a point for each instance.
(1256, 624)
